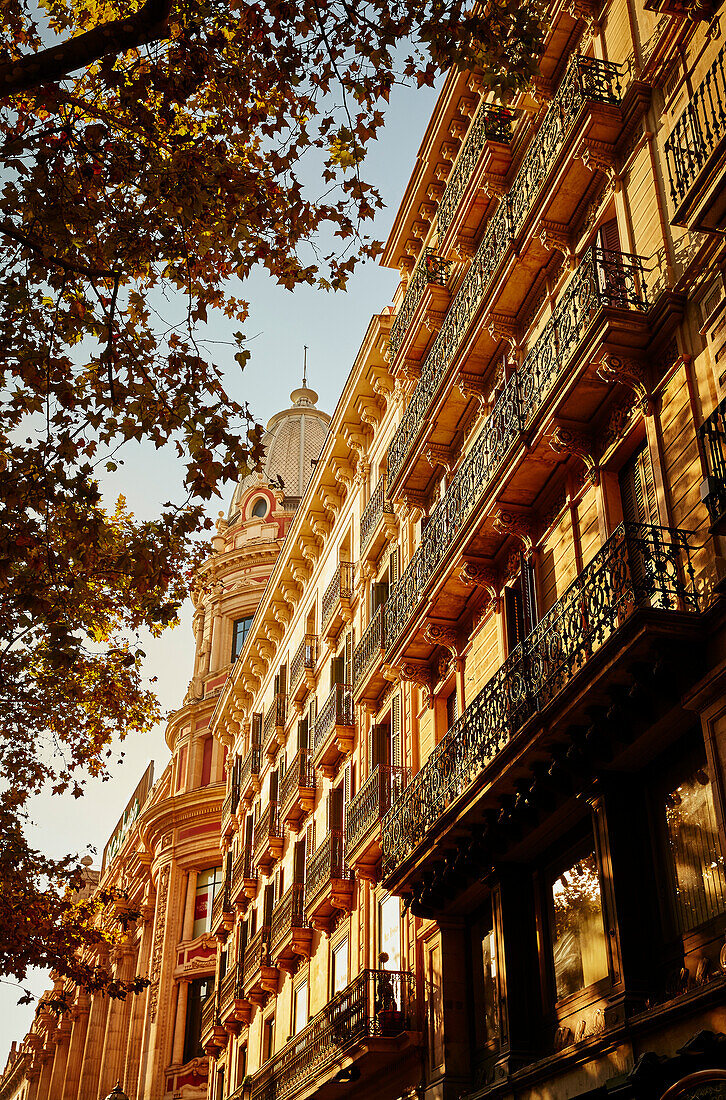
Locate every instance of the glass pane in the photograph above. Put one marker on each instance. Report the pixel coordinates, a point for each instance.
(389, 934)
(339, 966)
(300, 1008)
(207, 884)
(578, 938)
(489, 965)
(697, 862)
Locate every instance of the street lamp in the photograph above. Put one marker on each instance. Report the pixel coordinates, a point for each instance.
(117, 1093)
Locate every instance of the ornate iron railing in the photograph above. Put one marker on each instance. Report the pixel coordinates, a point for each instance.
(243, 868)
(274, 718)
(289, 913)
(300, 773)
(370, 647)
(325, 865)
(305, 657)
(268, 826)
(430, 270)
(227, 988)
(337, 710)
(713, 438)
(491, 123)
(602, 280)
(639, 566)
(340, 588)
(377, 1002)
(374, 509)
(700, 128)
(257, 953)
(586, 79)
(210, 1012)
(221, 903)
(250, 766)
(372, 803)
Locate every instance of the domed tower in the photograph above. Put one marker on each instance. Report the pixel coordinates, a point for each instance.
(182, 827)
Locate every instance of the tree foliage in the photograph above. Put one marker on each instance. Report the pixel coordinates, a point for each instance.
(151, 155)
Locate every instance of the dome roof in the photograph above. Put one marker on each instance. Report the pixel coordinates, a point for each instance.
(293, 438)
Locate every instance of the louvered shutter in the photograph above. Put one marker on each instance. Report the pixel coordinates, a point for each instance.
(394, 566)
(396, 731)
(348, 659)
(302, 733)
(257, 729)
(637, 489)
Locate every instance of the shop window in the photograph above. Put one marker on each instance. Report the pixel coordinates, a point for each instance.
(240, 630)
(339, 966)
(579, 951)
(696, 862)
(208, 882)
(299, 1007)
(197, 992)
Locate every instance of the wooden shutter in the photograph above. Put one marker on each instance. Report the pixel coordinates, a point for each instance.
(379, 595)
(268, 903)
(514, 614)
(609, 236)
(394, 566)
(249, 826)
(273, 785)
(309, 842)
(396, 731)
(529, 593)
(282, 680)
(348, 659)
(335, 808)
(637, 489)
(302, 733)
(337, 670)
(298, 865)
(257, 729)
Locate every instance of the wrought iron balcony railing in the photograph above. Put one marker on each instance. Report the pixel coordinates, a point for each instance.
(210, 1013)
(372, 803)
(713, 489)
(370, 647)
(699, 130)
(222, 903)
(639, 566)
(267, 828)
(274, 718)
(305, 657)
(430, 270)
(243, 871)
(324, 866)
(380, 1003)
(491, 123)
(256, 954)
(289, 913)
(250, 767)
(374, 509)
(586, 79)
(337, 710)
(300, 774)
(602, 280)
(340, 588)
(227, 989)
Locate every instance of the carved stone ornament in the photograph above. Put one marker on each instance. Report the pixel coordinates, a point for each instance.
(598, 156)
(419, 674)
(343, 472)
(569, 441)
(555, 236)
(472, 385)
(439, 456)
(330, 500)
(628, 372)
(516, 525)
(410, 370)
(478, 574)
(369, 411)
(381, 382)
(436, 634)
(503, 327)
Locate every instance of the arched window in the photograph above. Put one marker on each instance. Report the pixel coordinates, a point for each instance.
(259, 509)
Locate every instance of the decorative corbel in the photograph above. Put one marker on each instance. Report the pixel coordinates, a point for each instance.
(472, 385)
(493, 185)
(437, 634)
(516, 525)
(555, 236)
(410, 370)
(369, 411)
(266, 650)
(437, 455)
(320, 526)
(477, 573)
(258, 666)
(464, 248)
(600, 156)
(419, 674)
(629, 372)
(433, 320)
(343, 472)
(291, 592)
(330, 500)
(501, 326)
(570, 441)
(390, 673)
(309, 550)
(281, 613)
(414, 501)
(381, 382)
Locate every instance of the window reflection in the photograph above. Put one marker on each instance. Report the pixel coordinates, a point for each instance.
(695, 853)
(578, 934)
(489, 986)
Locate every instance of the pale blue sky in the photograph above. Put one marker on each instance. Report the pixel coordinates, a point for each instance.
(280, 323)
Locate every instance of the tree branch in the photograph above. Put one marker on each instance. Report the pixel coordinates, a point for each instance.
(149, 24)
(7, 230)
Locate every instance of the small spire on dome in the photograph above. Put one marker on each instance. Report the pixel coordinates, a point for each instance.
(305, 366)
(304, 396)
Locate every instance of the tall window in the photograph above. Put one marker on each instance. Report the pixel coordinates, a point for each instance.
(489, 984)
(240, 630)
(299, 1007)
(579, 952)
(268, 1038)
(339, 966)
(198, 991)
(389, 934)
(208, 882)
(695, 857)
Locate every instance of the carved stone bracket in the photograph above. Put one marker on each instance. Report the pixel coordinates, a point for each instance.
(381, 382)
(437, 634)
(320, 526)
(410, 370)
(493, 185)
(472, 385)
(556, 236)
(419, 674)
(439, 456)
(369, 411)
(600, 156)
(570, 441)
(433, 320)
(503, 327)
(343, 472)
(516, 525)
(628, 372)
(483, 575)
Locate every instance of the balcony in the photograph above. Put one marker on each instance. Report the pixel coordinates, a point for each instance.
(713, 489)
(333, 732)
(585, 106)
(640, 571)
(336, 606)
(378, 523)
(273, 727)
(222, 911)
(297, 791)
(291, 936)
(213, 1036)
(268, 838)
(244, 878)
(329, 885)
(368, 681)
(695, 154)
(369, 1022)
(364, 815)
(605, 301)
(234, 1010)
(249, 775)
(229, 808)
(425, 294)
(302, 668)
(259, 976)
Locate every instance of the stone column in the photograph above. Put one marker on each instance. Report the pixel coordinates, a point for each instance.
(61, 1058)
(177, 1056)
(93, 1050)
(45, 1076)
(79, 1028)
(117, 1024)
(134, 1045)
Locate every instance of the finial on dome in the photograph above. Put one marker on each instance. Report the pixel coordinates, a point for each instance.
(304, 396)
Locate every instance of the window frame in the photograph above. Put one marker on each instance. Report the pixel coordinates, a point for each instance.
(248, 619)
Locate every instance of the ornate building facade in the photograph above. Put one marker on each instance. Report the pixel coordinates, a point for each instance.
(165, 853)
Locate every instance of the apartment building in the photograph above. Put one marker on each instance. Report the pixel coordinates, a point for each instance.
(473, 837)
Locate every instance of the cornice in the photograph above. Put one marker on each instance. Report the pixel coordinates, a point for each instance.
(178, 810)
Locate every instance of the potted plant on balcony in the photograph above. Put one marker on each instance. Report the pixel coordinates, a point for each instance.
(388, 1013)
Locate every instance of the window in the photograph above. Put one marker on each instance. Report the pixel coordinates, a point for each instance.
(389, 934)
(695, 859)
(268, 1038)
(241, 1064)
(299, 1007)
(208, 882)
(579, 952)
(240, 630)
(339, 966)
(452, 710)
(490, 995)
(259, 508)
(198, 991)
